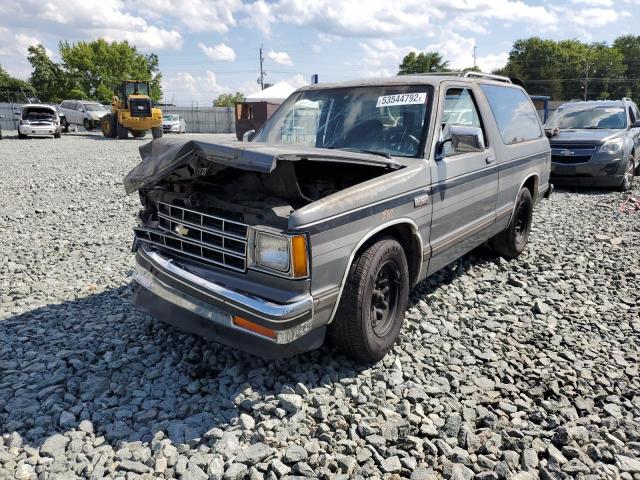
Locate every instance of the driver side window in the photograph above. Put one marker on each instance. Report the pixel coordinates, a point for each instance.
(459, 109)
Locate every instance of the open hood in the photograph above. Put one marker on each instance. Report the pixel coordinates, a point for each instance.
(163, 156)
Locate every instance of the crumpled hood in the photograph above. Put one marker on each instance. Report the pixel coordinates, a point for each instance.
(162, 156)
(597, 136)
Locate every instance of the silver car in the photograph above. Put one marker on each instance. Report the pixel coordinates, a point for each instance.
(82, 112)
(173, 123)
(349, 195)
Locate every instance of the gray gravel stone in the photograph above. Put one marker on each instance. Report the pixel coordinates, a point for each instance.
(500, 363)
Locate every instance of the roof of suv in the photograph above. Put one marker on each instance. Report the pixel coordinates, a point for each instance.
(427, 79)
(596, 103)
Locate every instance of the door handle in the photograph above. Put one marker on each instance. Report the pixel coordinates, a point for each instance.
(490, 159)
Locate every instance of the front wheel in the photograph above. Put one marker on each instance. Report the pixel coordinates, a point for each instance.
(108, 126)
(627, 177)
(156, 132)
(373, 302)
(512, 241)
(21, 135)
(65, 125)
(88, 126)
(57, 135)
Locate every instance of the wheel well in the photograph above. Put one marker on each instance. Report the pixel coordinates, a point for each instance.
(408, 239)
(532, 184)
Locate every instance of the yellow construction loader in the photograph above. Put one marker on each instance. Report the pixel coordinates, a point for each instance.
(132, 111)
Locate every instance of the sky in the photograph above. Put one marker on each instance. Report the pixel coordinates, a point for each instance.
(210, 47)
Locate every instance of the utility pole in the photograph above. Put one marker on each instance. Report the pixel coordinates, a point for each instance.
(475, 48)
(261, 70)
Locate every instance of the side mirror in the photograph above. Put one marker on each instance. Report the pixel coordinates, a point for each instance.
(248, 135)
(636, 124)
(466, 139)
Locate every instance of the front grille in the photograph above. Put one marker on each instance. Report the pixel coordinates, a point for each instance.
(571, 153)
(570, 160)
(140, 107)
(206, 237)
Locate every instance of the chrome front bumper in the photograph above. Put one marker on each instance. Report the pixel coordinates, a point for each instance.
(219, 304)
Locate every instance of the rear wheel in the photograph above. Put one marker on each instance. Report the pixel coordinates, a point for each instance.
(65, 125)
(512, 241)
(123, 132)
(373, 302)
(627, 177)
(156, 132)
(108, 126)
(88, 126)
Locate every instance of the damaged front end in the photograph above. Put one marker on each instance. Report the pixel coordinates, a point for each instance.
(216, 254)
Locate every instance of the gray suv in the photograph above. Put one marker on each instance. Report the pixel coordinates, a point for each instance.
(349, 195)
(595, 143)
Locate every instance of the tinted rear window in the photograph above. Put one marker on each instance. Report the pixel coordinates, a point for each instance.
(514, 114)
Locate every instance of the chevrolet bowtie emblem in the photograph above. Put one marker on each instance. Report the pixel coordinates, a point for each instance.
(181, 230)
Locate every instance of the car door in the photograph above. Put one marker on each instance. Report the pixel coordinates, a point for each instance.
(464, 184)
(634, 132)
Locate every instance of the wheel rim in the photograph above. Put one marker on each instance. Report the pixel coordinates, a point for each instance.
(384, 298)
(522, 221)
(628, 174)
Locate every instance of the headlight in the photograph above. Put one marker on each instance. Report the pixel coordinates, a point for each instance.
(612, 146)
(286, 254)
(272, 251)
(24, 122)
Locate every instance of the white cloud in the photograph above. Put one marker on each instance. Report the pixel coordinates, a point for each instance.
(17, 43)
(458, 50)
(108, 19)
(219, 52)
(195, 15)
(281, 58)
(184, 86)
(383, 52)
(297, 81)
(491, 62)
(594, 17)
(600, 3)
(258, 14)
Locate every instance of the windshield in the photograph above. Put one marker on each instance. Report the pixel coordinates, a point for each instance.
(387, 120)
(170, 118)
(142, 88)
(94, 107)
(589, 117)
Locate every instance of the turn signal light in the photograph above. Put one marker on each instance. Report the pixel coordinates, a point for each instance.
(299, 256)
(253, 327)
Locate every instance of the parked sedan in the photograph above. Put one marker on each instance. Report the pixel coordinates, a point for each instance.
(39, 120)
(172, 123)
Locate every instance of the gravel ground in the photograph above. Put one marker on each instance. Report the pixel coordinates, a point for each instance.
(523, 369)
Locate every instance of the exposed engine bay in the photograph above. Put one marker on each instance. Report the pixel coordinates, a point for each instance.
(256, 198)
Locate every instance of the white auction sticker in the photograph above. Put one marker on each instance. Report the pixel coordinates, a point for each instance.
(402, 99)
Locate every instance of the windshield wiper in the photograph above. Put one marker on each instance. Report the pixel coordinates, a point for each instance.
(363, 150)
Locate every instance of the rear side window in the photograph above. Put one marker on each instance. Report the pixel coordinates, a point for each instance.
(514, 114)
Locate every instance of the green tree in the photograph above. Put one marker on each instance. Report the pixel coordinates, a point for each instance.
(228, 99)
(7, 81)
(99, 67)
(422, 63)
(48, 78)
(629, 48)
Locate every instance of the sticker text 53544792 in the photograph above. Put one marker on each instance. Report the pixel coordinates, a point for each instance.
(402, 99)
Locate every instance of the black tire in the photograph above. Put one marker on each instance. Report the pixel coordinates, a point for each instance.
(138, 133)
(156, 132)
(109, 126)
(0, 134)
(21, 135)
(88, 126)
(123, 132)
(512, 241)
(65, 125)
(627, 177)
(57, 135)
(363, 328)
